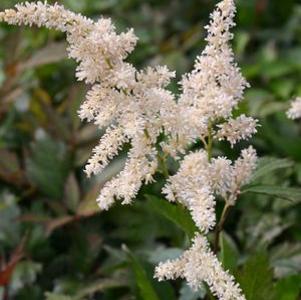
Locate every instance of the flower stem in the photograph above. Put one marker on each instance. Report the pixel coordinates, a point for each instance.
(165, 169)
(163, 165)
(209, 143)
(219, 226)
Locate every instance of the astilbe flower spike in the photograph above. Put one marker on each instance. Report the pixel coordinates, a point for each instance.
(136, 107)
(125, 101)
(295, 109)
(199, 264)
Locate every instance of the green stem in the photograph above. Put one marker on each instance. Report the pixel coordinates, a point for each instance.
(163, 164)
(210, 141)
(107, 60)
(220, 225)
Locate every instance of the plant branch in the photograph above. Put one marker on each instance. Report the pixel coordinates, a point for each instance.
(219, 227)
(208, 145)
(163, 165)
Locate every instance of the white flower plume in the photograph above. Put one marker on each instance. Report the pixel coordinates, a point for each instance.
(199, 264)
(237, 129)
(135, 106)
(215, 86)
(198, 181)
(191, 187)
(126, 101)
(295, 109)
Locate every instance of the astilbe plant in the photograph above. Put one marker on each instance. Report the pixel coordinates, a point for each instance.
(136, 108)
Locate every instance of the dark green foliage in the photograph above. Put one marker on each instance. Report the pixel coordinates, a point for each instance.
(144, 284)
(173, 212)
(256, 278)
(48, 167)
(288, 288)
(229, 253)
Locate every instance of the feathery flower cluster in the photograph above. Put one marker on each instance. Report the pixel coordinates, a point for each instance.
(136, 107)
(199, 264)
(191, 186)
(125, 101)
(198, 181)
(295, 110)
(210, 92)
(237, 129)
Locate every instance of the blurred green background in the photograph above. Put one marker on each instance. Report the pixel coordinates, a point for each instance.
(55, 244)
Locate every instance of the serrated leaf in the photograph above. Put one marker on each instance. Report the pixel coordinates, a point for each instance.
(146, 289)
(48, 166)
(288, 193)
(174, 212)
(256, 279)
(269, 164)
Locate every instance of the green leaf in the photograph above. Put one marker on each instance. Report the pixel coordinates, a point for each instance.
(174, 212)
(88, 206)
(98, 286)
(276, 69)
(229, 253)
(288, 193)
(287, 143)
(9, 212)
(53, 296)
(267, 165)
(256, 279)
(288, 288)
(48, 166)
(241, 41)
(72, 193)
(146, 289)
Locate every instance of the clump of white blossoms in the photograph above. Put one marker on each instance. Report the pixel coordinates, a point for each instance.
(295, 109)
(199, 264)
(136, 108)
